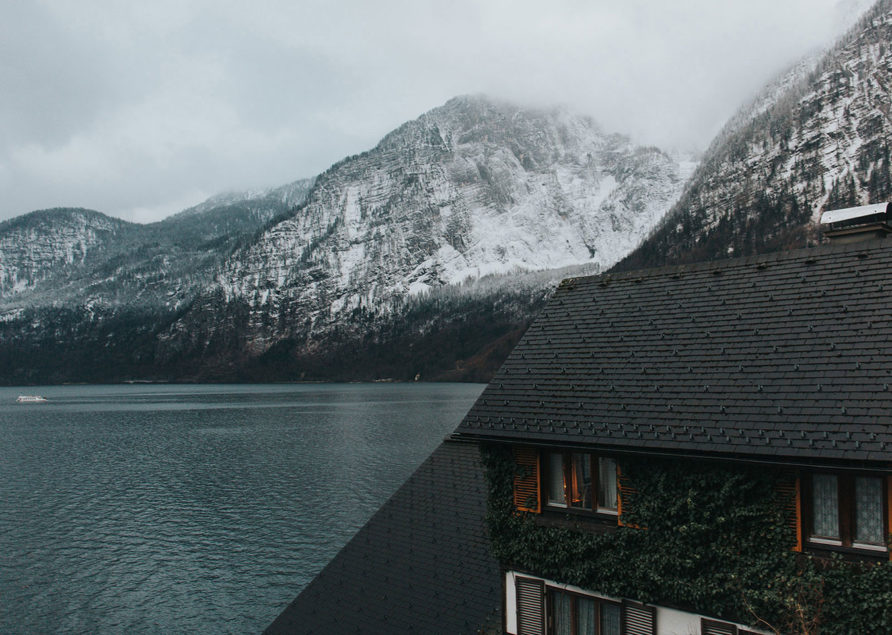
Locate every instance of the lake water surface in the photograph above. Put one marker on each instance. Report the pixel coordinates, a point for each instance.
(159, 509)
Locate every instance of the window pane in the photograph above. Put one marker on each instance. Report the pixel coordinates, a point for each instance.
(606, 483)
(585, 616)
(869, 510)
(609, 619)
(556, 479)
(825, 506)
(581, 481)
(561, 613)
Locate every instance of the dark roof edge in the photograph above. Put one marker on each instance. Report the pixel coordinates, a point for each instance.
(741, 261)
(857, 465)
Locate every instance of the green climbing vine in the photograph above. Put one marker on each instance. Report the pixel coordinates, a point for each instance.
(716, 543)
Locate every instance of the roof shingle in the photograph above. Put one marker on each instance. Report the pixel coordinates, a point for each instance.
(785, 355)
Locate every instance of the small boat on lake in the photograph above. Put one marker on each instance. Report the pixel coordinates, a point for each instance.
(30, 399)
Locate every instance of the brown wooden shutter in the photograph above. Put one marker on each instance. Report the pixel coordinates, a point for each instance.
(624, 496)
(530, 606)
(526, 480)
(639, 619)
(788, 492)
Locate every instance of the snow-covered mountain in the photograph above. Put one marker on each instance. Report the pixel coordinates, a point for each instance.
(429, 253)
(467, 215)
(470, 189)
(77, 256)
(821, 142)
(44, 244)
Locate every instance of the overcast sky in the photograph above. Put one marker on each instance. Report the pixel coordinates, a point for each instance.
(140, 109)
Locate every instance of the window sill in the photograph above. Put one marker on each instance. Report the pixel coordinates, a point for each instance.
(580, 511)
(826, 542)
(825, 548)
(578, 519)
(869, 547)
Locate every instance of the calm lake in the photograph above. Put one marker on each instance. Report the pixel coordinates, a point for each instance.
(158, 509)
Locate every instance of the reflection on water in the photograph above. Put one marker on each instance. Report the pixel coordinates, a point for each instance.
(195, 508)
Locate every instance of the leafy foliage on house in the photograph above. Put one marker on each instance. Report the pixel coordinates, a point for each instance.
(711, 538)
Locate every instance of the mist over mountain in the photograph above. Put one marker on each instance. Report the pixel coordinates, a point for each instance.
(471, 189)
(817, 140)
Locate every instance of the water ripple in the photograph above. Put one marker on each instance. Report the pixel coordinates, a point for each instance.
(154, 509)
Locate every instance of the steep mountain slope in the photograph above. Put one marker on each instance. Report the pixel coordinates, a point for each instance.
(85, 257)
(83, 296)
(824, 143)
(420, 256)
(38, 247)
(471, 189)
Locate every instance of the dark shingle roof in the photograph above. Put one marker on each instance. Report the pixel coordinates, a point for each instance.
(786, 356)
(421, 564)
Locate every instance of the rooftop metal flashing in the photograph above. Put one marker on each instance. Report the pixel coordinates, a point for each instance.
(837, 218)
(855, 224)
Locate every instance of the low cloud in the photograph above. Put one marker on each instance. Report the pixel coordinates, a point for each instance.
(136, 109)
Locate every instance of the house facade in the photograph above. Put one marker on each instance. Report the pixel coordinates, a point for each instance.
(698, 449)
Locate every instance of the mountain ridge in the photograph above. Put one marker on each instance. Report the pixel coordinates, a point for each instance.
(822, 144)
(474, 190)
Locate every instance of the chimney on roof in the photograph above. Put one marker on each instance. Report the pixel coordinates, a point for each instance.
(857, 223)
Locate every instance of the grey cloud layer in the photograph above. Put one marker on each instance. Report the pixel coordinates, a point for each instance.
(140, 109)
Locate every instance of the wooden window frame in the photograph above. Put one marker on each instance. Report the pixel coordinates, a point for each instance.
(845, 483)
(574, 619)
(567, 462)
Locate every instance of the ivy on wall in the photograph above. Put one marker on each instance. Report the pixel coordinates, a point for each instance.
(716, 542)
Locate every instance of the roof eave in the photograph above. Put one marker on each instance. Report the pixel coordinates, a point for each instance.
(801, 462)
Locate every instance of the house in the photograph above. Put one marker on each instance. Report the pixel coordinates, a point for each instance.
(699, 449)
(695, 449)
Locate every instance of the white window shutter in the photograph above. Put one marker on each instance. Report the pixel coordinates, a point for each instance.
(530, 606)
(714, 627)
(639, 619)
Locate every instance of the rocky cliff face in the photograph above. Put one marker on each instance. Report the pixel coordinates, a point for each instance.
(431, 248)
(43, 245)
(472, 189)
(823, 142)
(77, 257)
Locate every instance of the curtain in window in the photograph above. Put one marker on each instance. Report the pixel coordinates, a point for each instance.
(869, 510)
(610, 622)
(581, 482)
(825, 506)
(606, 483)
(561, 612)
(585, 617)
(556, 479)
